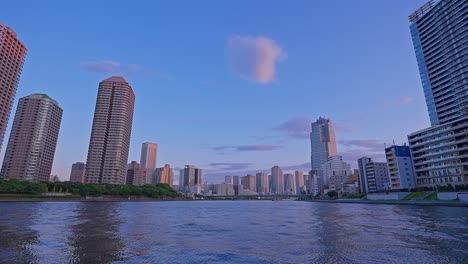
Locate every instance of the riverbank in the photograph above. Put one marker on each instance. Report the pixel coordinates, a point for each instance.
(75, 198)
(397, 202)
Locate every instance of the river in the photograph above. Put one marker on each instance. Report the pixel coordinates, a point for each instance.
(231, 232)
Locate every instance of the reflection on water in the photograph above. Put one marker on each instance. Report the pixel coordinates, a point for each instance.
(95, 236)
(231, 232)
(16, 236)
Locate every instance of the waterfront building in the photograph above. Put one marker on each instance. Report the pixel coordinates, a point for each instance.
(149, 153)
(377, 176)
(192, 176)
(316, 185)
(12, 55)
(261, 179)
(78, 171)
(31, 147)
(236, 180)
(352, 184)
(373, 176)
(299, 179)
(322, 141)
(163, 175)
(136, 174)
(363, 178)
(289, 184)
(335, 172)
(277, 180)
(110, 134)
(249, 182)
(222, 189)
(400, 167)
(181, 180)
(228, 179)
(440, 152)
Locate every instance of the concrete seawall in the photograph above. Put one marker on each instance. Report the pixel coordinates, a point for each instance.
(419, 202)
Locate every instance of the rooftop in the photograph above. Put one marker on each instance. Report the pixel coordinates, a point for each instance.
(117, 79)
(424, 9)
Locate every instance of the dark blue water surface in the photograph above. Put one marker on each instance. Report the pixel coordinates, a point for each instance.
(230, 232)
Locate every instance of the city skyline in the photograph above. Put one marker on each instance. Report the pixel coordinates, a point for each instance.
(274, 136)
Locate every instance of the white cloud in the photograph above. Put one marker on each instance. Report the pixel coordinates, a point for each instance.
(254, 58)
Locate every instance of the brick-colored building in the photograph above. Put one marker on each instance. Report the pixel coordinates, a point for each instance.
(12, 55)
(110, 134)
(78, 171)
(33, 138)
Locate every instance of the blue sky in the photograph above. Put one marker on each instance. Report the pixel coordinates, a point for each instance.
(229, 86)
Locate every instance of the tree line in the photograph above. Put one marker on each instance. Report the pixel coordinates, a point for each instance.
(161, 190)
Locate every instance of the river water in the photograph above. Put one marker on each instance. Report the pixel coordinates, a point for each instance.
(231, 232)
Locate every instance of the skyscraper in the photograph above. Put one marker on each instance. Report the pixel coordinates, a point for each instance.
(299, 180)
(33, 138)
(12, 55)
(78, 172)
(236, 180)
(249, 183)
(110, 135)
(163, 175)
(181, 180)
(439, 153)
(136, 174)
(149, 152)
(192, 176)
(322, 141)
(277, 180)
(228, 179)
(261, 182)
(289, 184)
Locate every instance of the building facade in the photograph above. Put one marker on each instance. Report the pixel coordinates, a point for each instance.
(335, 172)
(277, 180)
(363, 178)
(300, 182)
(110, 134)
(149, 153)
(136, 174)
(249, 183)
(12, 55)
(322, 141)
(193, 176)
(261, 183)
(400, 167)
(33, 138)
(228, 179)
(373, 176)
(289, 184)
(236, 180)
(163, 175)
(439, 153)
(78, 171)
(377, 176)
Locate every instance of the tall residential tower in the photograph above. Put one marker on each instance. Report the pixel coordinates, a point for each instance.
(33, 138)
(149, 153)
(110, 135)
(440, 152)
(12, 55)
(322, 141)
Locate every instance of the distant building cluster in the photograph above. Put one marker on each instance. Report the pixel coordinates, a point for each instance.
(434, 156)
